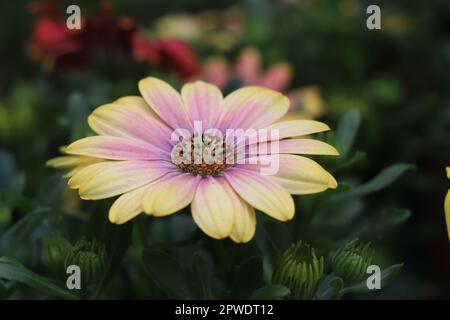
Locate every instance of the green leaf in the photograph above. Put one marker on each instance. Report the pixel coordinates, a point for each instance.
(202, 276)
(12, 270)
(355, 158)
(394, 217)
(347, 130)
(271, 292)
(383, 223)
(19, 232)
(386, 276)
(167, 274)
(381, 181)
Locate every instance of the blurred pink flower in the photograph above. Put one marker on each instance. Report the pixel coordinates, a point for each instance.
(247, 68)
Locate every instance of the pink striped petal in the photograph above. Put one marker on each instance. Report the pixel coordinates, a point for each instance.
(262, 193)
(203, 102)
(212, 207)
(131, 117)
(166, 102)
(252, 107)
(116, 148)
(170, 194)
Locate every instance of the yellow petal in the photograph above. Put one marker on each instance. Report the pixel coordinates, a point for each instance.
(127, 206)
(212, 207)
(301, 175)
(294, 146)
(295, 128)
(170, 194)
(116, 148)
(447, 213)
(262, 193)
(85, 173)
(244, 222)
(120, 177)
(67, 162)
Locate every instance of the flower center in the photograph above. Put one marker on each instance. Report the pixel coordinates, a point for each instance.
(204, 154)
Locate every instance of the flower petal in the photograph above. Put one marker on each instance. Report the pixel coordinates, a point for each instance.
(244, 222)
(252, 107)
(447, 212)
(170, 194)
(120, 177)
(248, 65)
(115, 148)
(300, 175)
(68, 162)
(217, 71)
(203, 102)
(277, 77)
(295, 128)
(295, 146)
(262, 193)
(130, 117)
(127, 206)
(166, 102)
(83, 174)
(212, 207)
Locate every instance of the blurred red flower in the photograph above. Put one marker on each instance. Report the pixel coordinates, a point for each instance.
(58, 47)
(170, 54)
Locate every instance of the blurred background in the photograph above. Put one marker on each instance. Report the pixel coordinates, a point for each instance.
(390, 85)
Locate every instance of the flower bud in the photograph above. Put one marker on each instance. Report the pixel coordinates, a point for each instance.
(300, 270)
(54, 251)
(90, 256)
(351, 261)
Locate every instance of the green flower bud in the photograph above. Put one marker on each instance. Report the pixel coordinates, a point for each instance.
(90, 256)
(351, 261)
(300, 270)
(54, 252)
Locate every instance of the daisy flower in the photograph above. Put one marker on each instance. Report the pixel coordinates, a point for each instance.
(136, 157)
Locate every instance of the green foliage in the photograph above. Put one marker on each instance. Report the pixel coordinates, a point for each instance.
(12, 270)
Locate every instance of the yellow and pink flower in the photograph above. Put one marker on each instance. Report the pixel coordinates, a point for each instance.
(132, 156)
